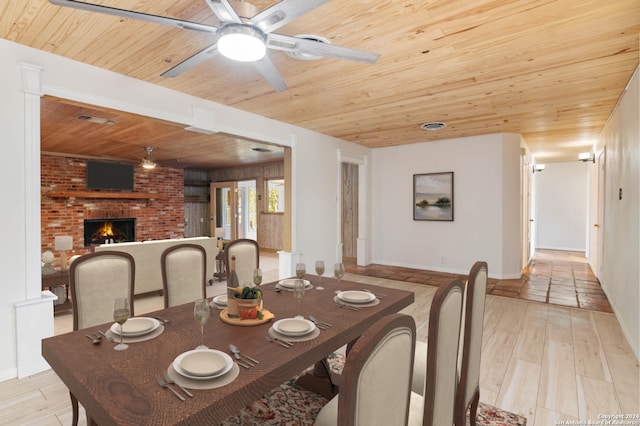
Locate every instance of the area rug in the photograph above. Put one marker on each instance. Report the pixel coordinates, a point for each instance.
(291, 405)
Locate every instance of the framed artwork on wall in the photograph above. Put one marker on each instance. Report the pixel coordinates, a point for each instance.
(433, 196)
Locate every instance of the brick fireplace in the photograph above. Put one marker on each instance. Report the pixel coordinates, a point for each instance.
(153, 218)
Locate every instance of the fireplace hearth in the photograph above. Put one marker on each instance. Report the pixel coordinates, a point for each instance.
(109, 231)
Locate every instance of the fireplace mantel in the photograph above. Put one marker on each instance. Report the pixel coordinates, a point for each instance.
(99, 194)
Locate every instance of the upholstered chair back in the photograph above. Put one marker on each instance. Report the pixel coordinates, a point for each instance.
(469, 390)
(247, 256)
(184, 268)
(97, 279)
(375, 384)
(442, 354)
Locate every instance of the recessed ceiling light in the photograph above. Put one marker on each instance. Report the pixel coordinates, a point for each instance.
(433, 125)
(260, 150)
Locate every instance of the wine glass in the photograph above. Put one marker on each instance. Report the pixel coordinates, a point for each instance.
(201, 313)
(338, 271)
(298, 292)
(121, 314)
(300, 270)
(257, 276)
(319, 271)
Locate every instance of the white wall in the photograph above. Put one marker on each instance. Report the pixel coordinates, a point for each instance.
(562, 206)
(621, 279)
(486, 223)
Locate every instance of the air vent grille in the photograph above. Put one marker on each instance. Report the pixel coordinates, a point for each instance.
(433, 125)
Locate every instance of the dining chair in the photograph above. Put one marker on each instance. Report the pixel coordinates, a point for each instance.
(375, 384)
(469, 348)
(96, 280)
(434, 406)
(468, 395)
(184, 274)
(247, 255)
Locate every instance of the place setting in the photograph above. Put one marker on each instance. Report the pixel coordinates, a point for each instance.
(356, 299)
(131, 330)
(291, 330)
(202, 367)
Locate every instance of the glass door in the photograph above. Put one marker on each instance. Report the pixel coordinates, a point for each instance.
(223, 210)
(234, 210)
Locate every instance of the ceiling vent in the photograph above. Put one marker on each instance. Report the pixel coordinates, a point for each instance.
(433, 125)
(96, 119)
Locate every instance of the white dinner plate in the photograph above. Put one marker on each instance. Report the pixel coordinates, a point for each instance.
(220, 300)
(136, 326)
(293, 326)
(288, 283)
(202, 364)
(356, 296)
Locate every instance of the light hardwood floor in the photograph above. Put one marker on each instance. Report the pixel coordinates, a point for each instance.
(545, 362)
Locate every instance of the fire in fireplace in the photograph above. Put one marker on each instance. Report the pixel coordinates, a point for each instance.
(101, 231)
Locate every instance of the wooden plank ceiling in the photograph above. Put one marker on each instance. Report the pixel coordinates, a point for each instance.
(551, 70)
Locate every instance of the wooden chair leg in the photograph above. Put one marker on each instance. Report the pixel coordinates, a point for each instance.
(74, 409)
(473, 412)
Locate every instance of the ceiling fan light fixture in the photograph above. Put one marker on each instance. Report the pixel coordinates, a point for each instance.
(242, 42)
(148, 162)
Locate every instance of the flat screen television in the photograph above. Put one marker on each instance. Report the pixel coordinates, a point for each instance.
(103, 175)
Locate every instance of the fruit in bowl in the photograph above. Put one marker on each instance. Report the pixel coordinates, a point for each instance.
(249, 302)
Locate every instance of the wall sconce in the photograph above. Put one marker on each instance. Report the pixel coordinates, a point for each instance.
(538, 167)
(63, 244)
(586, 156)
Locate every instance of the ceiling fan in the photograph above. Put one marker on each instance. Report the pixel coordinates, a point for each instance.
(238, 35)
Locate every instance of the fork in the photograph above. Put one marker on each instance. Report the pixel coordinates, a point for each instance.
(170, 381)
(166, 385)
(95, 339)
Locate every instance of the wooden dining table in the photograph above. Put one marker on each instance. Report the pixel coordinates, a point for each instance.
(121, 387)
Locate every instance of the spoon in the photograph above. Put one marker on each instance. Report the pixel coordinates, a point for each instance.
(236, 353)
(271, 339)
(95, 340)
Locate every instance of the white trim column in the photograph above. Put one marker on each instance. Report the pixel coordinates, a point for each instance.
(34, 315)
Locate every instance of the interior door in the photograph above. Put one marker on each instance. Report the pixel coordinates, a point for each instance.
(598, 233)
(223, 215)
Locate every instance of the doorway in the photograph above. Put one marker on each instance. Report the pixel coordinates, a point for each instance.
(234, 209)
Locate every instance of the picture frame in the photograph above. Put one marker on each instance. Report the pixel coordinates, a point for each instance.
(433, 196)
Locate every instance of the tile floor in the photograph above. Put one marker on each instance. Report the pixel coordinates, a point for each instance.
(554, 276)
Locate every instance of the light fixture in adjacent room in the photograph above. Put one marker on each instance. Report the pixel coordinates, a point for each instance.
(242, 42)
(586, 156)
(538, 167)
(148, 162)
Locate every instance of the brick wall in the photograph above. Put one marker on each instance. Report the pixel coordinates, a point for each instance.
(155, 218)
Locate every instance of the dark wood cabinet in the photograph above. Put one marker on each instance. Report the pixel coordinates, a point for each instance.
(59, 278)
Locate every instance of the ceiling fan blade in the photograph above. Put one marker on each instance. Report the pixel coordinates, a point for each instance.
(282, 13)
(304, 46)
(224, 11)
(192, 61)
(270, 73)
(129, 14)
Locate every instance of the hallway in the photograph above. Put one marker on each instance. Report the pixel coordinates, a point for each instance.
(554, 276)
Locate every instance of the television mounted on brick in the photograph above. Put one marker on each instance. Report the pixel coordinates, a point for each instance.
(104, 175)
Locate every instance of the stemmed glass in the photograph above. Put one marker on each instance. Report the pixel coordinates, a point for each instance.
(319, 271)
(257, 276)
(298, 292)
(201, 313)
(121, 314)
(338, 271)
(301, 270)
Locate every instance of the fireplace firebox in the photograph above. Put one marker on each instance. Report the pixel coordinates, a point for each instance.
(104, 231)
